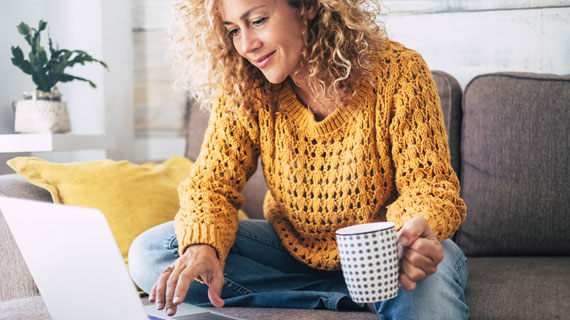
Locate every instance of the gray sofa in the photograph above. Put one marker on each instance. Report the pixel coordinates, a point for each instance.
(509, 143)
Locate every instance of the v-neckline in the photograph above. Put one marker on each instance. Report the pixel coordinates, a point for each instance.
(305, 118)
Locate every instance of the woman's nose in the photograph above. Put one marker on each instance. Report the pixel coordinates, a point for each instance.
(249, 41)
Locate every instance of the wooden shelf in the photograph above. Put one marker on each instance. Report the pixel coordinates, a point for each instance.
(46, 142)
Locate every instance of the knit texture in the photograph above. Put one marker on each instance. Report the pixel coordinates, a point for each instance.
(382, 156)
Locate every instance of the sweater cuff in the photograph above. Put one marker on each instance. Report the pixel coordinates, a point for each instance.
(443, 216)
(204, 233)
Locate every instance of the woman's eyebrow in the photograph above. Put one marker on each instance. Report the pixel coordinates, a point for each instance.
(246, 14)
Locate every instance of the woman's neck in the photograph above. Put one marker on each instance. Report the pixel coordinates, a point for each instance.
(321, 107)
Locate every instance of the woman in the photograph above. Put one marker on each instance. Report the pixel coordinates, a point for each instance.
(349, 129)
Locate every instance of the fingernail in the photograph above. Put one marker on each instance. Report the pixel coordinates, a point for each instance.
(159, 305)
(404, 240)
(170, 311)
(176, 299)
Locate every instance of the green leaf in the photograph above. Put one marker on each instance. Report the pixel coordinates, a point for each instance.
(36, 44)
(42, 26)
(52, 49)
(83, 57)
(28, 38)
(35, 61)
(17, 53)
(41, 82)
(48, 70)
(58, 66)
(42, 57)
(23, 29)
(19, 61)
(63, 77)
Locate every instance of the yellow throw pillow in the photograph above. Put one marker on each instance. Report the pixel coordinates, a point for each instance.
(132, 197)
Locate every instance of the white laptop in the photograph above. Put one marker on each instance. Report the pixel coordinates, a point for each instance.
(76, 264)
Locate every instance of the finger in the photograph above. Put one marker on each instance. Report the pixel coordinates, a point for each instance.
(406, 283)
(400, 249)
(215, 289)
(412, 272)
(170, 289)
(152, 294)
(161, 285)
(420, 261)
(431, 249)
(412, 230)
(184, 281)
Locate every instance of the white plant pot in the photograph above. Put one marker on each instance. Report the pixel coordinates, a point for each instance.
(41, 116)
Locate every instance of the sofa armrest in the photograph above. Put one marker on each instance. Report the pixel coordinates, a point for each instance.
(17, 282)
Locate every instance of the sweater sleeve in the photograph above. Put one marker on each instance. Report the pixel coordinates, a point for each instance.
(211, 195)
(427, 185)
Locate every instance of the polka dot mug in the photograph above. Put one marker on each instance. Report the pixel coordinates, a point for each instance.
(369, 261)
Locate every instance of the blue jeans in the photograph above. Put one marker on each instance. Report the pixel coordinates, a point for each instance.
(259, 272)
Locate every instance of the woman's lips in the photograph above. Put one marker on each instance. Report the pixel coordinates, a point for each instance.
(264, 61)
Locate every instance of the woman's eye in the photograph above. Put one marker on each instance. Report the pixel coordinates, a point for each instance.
(232, 32)
(257, 22)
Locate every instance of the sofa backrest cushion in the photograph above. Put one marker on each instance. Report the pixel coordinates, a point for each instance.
(255, 189)
(16, 284)
(15, 186)
(515, 165)
(450, 94)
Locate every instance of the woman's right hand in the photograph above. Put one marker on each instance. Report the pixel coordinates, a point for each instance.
(198, 260)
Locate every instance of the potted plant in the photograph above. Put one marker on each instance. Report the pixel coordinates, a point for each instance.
(42, 110)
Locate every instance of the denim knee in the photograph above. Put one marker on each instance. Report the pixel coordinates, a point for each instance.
(150, 253)
(439, 296)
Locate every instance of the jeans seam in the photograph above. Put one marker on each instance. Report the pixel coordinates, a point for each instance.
(236, 286)
(171, 242)
(459, 263)
(270, 243)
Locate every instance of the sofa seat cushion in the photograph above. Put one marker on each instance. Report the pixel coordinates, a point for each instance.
(30, 308)
(16, 281)
(518, 287)
(33, 308)
(289, 314)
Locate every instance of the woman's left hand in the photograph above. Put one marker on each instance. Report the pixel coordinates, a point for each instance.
(419, 251)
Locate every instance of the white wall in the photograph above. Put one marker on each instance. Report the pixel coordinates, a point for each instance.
(462, 37)
(467, 38)
(103, 29)
(159, 105)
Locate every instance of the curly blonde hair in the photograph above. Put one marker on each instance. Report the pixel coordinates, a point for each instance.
(343, 40)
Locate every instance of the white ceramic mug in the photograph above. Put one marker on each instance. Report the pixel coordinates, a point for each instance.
(369, 261)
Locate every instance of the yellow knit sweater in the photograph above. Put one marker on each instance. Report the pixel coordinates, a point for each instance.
(383, 156)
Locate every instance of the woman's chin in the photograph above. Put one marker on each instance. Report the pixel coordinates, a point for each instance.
(274, 79)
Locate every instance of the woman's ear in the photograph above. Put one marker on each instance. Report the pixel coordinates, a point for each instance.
(311, 11)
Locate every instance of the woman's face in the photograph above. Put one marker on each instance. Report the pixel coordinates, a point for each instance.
(268, 33)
